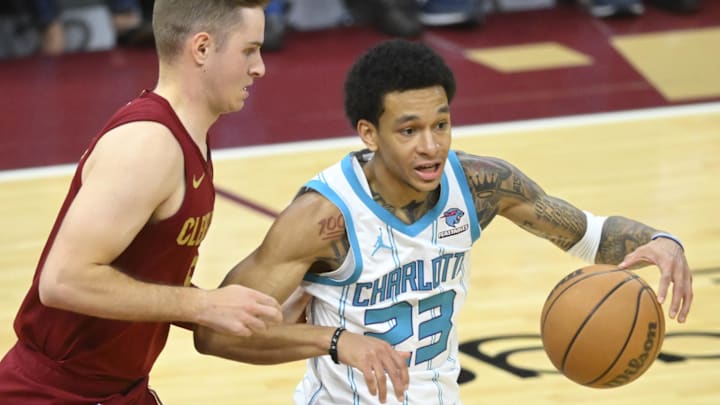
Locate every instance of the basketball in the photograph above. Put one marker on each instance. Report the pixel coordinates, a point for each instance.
(602, 327)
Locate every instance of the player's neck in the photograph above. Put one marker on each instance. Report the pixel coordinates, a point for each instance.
(410, 212)
(195, 117)
(402, 201)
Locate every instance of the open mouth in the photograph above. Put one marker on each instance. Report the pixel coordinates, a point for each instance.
(428, 171)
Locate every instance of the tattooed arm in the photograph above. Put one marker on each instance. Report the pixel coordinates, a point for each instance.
(498, 188)
(309, 235)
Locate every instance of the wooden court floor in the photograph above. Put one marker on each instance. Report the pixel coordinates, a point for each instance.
(658, 166)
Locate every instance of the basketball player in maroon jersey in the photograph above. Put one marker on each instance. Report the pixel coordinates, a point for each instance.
(116, 269)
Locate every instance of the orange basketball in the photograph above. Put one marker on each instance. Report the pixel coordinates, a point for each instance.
(602, 327)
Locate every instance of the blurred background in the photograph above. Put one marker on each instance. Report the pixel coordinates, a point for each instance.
(613, 105)
(65, 65)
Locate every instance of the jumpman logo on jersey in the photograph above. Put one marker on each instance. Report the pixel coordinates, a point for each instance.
(379, 244)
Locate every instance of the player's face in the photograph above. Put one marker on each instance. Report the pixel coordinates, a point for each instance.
(237, 61)
(414, 139)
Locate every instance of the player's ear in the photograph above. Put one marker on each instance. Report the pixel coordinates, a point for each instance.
(200, 47)
(368, 133)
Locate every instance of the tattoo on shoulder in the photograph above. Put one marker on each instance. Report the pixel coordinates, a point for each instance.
(491, 180)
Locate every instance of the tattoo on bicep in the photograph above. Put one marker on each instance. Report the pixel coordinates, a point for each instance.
(621, 236)
(331, 227)
(493, 180)
(340, 249)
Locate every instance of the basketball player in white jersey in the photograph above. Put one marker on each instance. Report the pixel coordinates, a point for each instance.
(380, 243)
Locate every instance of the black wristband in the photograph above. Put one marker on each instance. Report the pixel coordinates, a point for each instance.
(333, 344)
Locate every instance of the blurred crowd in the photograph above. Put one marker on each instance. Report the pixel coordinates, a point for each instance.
(50, 27)
(408, 18)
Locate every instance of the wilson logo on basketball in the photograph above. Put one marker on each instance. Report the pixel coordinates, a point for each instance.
(637, 365)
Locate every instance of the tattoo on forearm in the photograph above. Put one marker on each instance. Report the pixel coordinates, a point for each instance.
(565, 219)
(621, 236)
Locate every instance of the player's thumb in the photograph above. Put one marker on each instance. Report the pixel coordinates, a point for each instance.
(628, 261)
(635, 260)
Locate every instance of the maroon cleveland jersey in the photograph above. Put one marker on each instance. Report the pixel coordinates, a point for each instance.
(120, 352)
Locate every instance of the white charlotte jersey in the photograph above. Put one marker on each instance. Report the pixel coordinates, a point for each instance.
(402, 283)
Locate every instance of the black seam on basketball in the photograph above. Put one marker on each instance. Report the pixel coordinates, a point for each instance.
(627, 339)
(542, 321)
(590, 315)
(661, 322)
(658, 308)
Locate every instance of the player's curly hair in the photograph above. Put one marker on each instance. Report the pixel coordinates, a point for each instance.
(394, 65)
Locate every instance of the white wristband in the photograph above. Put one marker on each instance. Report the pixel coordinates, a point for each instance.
(587, 247)
(666, 235)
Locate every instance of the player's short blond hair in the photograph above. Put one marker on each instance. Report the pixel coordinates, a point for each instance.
(175, 20)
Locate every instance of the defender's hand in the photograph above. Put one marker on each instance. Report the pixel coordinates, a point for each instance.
(239, 310)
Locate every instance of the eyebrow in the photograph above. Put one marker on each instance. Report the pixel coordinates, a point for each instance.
(405, 118)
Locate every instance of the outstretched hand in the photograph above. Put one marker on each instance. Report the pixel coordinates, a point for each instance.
(669, 257)
(376, 359)
(239, 310)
